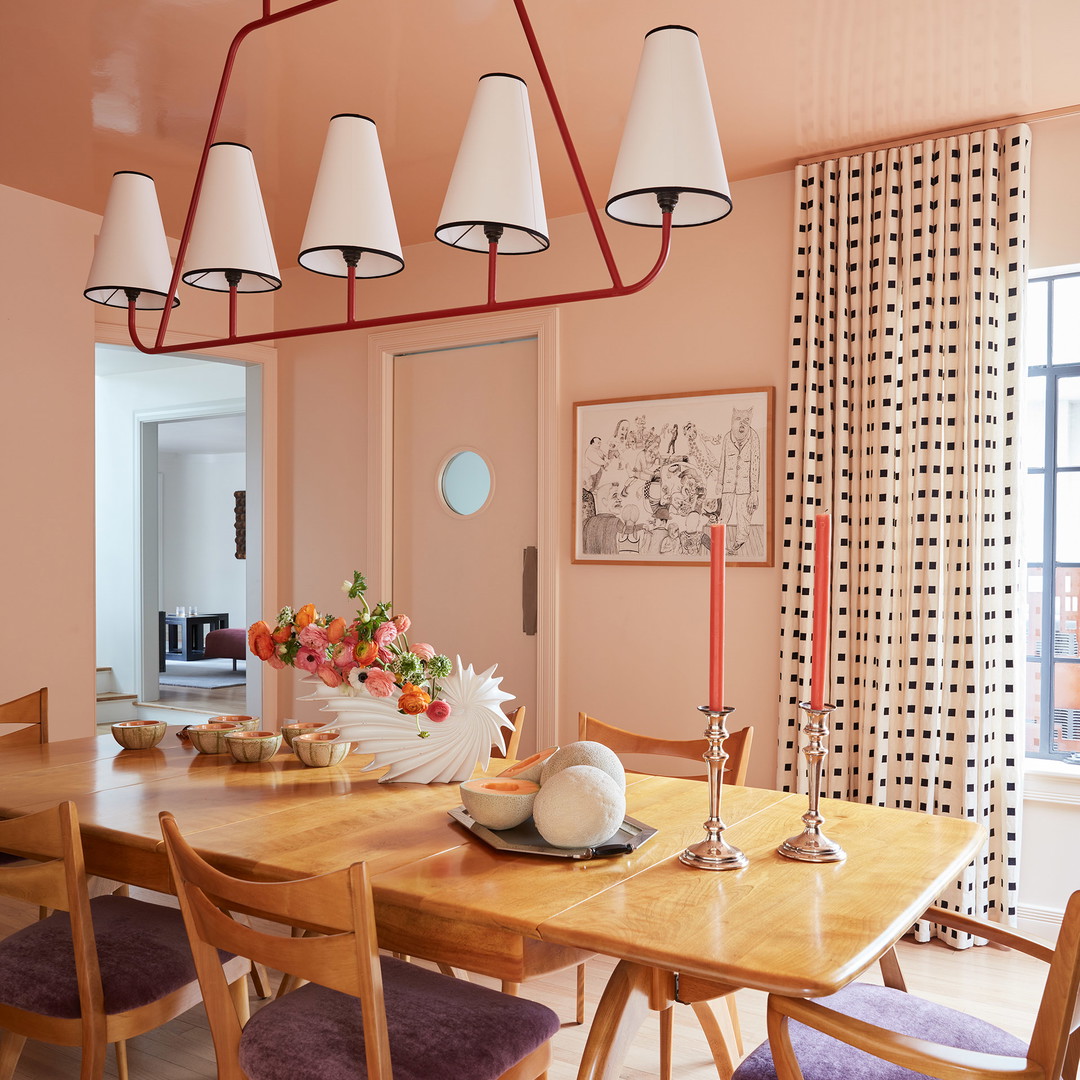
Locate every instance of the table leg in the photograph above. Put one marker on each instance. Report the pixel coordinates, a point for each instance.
(618, 1018)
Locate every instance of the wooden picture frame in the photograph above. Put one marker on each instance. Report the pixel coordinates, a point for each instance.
(652, 474)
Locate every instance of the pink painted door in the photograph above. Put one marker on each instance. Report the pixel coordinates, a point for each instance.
(459, 574)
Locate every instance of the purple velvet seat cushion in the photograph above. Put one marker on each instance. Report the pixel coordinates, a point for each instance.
(439, 1027)
(824, 1058)
(142, 950)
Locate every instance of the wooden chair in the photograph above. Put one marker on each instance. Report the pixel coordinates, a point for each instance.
(900, 1029)
(435, 1025)
(97, 971)
(30, 710)
(697, 993)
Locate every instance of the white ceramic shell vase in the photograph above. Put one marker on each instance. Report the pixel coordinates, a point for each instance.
(451, 749)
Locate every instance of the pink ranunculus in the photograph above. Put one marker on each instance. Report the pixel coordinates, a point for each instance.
(309, 660)
(423, 650)
(438, 710)
(379, 683)
(314, 637)
(385, 656)
(329, 675)
(402, 622)
(385, 634)
(276, 662)
(341, 656)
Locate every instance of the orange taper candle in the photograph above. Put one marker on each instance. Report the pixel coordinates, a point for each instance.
(819, 656)
(716, 619)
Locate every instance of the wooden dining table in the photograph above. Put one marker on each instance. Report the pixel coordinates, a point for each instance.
(798, 929)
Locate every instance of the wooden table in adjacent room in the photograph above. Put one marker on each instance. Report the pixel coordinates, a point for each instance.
(794, 928)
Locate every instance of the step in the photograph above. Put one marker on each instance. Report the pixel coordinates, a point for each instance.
(105, 680)
(113, 707)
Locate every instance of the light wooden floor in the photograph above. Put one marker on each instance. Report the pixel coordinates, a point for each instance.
(999, 985)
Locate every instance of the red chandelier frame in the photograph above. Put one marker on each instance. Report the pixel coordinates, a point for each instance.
(617, 287)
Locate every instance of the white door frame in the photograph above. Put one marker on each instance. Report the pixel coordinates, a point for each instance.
(543, 324)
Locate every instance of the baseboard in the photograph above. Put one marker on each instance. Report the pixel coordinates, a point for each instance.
(1040, 922)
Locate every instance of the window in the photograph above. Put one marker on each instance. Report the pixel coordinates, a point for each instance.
(1050, 527)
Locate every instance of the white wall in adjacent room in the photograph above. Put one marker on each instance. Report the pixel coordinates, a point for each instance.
(199, 566)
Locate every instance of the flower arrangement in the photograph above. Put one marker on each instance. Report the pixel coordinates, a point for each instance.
(369, 653)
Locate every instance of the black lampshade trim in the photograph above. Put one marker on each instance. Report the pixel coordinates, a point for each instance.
(363, 251)
(121, 289)
(189, 278)
(659, 225)
(502, 75)
(229, 142)
(133, 172)
(673, 26)
(545, 243)
(354, 116)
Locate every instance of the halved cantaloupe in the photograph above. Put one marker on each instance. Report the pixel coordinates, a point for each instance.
(530, 768)
(499, 802)
(585, 752)
(580, 806)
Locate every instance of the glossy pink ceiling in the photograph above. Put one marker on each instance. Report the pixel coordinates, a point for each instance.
(94, 86)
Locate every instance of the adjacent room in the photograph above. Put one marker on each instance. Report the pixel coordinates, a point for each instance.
(579, 664)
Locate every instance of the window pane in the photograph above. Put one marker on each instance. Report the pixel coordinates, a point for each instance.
(1067, 525)
(1066, 725)
(1033, 708)
(1066, 611)
(1033, 427)
(466, 483)
(1068, 425)
(1031, 525)
(1035, 323)
(1066, 327)
(1034, 611)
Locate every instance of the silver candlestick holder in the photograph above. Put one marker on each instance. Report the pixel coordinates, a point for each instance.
(714, 852)
(812, 845)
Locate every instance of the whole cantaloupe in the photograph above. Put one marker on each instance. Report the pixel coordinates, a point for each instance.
(579, 806)
(585, 752)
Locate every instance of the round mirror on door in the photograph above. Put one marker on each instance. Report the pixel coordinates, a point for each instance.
(465, 482)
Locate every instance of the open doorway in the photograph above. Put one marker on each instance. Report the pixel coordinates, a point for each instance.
(178, 495)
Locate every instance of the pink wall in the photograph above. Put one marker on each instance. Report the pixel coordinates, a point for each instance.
(47, 495)
(633, 640)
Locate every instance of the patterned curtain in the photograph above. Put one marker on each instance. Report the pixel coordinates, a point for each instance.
(902, 422)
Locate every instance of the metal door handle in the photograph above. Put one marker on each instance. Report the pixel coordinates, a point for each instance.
(528, 591)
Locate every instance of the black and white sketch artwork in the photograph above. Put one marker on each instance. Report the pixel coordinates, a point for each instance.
(653, 474)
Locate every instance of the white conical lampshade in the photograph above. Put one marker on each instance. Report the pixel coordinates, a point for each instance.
(230, 233)
(351, 207)
(670, 141)
(496, 178)
(131, 252)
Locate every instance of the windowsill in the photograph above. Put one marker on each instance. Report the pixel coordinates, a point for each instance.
(1051, 781)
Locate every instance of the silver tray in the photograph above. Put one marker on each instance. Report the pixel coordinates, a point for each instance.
(524, 838)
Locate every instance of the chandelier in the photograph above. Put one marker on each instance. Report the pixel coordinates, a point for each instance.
(669, 173)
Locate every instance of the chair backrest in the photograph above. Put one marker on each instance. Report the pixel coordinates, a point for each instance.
(345, 957)
(31, 711)
(56, 878)
(513, 740)
(1055, 1040)
(736, 746)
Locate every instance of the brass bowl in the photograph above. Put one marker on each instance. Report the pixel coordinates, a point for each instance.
(249, 746)
(139, 734)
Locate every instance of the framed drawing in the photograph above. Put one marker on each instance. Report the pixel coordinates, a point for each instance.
(652, 474)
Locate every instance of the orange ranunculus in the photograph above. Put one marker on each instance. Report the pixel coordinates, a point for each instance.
(306, 616)
(282, 633)
(336, 630)
(413, 700)
(262, 644)
(365, 652)
(329, 674)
